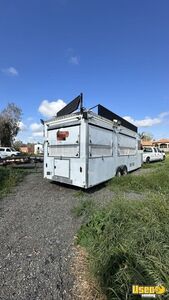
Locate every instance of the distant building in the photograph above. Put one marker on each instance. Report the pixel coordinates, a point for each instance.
(38, 148)
(146, 144)
(163, 144)
(27, 148)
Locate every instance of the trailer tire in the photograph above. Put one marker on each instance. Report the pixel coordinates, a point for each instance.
(148, 160)
(118, 172)
(124, 171)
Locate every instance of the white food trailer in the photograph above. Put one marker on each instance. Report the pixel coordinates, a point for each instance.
(85, 148)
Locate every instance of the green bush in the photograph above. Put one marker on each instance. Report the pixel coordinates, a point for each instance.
(128, 243)
(8, 178)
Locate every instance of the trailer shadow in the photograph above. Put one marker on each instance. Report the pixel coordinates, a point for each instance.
(90, 190)
(96, 188)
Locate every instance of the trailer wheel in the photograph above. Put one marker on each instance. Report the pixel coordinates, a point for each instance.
(124, 171)
(148, 160)
(118, 172)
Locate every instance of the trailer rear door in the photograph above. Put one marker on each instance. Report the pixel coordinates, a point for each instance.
(64, 142)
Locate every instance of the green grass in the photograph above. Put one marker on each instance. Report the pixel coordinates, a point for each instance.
(154, 165)
(79, 194)
(154, 181)
(128, 240)
(84, 208)
(128, 243)
(8, 178)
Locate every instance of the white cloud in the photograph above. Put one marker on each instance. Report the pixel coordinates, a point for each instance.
(49, 109)
(74, 60)
(30, 119)
(39, 133)
(11, 71)
(30, 138)
(22, 126)
(147, 121)
(72, 56)
(37, 129)
(164, 114)
(33, 139)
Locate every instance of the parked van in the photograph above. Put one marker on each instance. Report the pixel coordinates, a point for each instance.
(8, 152)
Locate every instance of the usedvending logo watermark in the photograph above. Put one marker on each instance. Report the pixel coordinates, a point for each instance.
(148, 291)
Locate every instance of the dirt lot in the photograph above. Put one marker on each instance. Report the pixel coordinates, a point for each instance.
(36, 236)
(37, 231)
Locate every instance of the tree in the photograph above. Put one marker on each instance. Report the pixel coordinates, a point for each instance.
(146, 136)
(9, 124)
(17, 145)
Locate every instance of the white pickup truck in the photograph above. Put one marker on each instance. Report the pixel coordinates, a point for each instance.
(8, 152)
(152, 154)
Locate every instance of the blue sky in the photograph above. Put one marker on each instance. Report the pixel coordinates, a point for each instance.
(115, 52)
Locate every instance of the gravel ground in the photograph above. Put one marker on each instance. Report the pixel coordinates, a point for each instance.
(36, 236)
(37, 231)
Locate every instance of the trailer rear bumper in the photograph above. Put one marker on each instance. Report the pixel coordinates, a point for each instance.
(62, 179)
